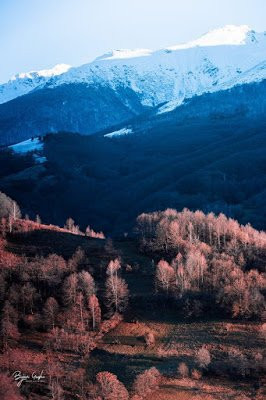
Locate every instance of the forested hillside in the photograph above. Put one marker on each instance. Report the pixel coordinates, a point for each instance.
(111, 320)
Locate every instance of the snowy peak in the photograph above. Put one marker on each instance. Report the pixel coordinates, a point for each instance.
(25, 82)
(46, 73)
(170, 74)
(228, 35)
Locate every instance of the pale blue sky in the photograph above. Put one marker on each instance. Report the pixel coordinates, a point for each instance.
(37, 34)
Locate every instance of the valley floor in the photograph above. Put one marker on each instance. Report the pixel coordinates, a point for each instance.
(124, 352)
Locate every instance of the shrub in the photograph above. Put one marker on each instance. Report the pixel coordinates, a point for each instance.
(203, 357)
(110, 388)
(146, 382)
(183, 370)
(196, 374)
(149, 339)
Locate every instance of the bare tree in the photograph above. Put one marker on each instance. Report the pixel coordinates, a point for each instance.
(80, 304)
(110, 388)
(183, 370)
(165, 275)
(70, 287)
(95, 311)
(28, 296)
(50, 311)
(69, 224)
(8, 207)
(86, 283)
(116, 288)
(147, 382)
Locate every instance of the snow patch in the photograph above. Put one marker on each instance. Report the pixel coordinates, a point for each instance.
(170, 106)
(125, 53)
(30, 146)
(121, 132)
(27, 146)
(255, 74)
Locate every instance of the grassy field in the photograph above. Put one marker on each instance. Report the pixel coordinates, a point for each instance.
(124, 352)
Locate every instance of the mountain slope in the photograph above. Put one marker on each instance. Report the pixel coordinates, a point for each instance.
(218, 60)
(72, 107)
(209, 154)
(25, 82)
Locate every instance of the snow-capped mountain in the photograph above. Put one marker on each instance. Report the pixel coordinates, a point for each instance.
(124, 83)
(25, 82)
(174, 73)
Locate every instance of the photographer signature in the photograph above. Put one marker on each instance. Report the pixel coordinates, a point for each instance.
(20, 378)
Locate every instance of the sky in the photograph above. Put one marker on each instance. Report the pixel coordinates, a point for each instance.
(37, 34)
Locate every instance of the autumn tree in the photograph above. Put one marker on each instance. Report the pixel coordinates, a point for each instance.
(110, 388)
(203, 357)
(116, 288)
(196, 265)
(69, 225)
(81, 310)
(50, 311)
(165, 275)
(28, 296)
(56, 389)
(77, 260)
(147, 382)
(9, 329)
(183, 370)
(91, 233)
(70, 289)
(51, 269)
(95, 311)
(8, 207)
(113, 267)
(86, 283)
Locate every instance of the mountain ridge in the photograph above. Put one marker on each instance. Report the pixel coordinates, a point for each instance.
(230, 35)
(125, 83)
